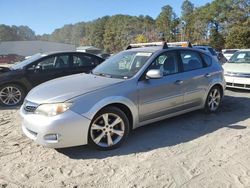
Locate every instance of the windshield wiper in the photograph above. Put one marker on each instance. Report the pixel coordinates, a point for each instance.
(102, 74)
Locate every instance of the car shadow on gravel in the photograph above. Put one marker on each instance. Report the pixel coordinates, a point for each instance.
(173, 131)
(10, 107)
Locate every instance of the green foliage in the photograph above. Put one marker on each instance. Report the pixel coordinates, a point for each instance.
(167, 23)
(15, 33)
(216, 40)
(221, 23)
(238, 37)
(140, 38)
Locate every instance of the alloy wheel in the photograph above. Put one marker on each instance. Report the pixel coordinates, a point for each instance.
(107, 130)
(10, 95)
(214, 99)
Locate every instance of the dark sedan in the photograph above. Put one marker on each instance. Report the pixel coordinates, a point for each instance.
(16, 81)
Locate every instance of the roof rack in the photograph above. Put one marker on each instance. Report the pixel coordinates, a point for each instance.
(164, 44)
(137, 45)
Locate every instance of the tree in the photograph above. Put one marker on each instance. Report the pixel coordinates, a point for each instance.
(238, 37)
(186, 25)
(96, 32)
(140, 38)
(167, 22)
(216, 39)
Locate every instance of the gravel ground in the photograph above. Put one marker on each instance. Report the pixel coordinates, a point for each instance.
(192, 150)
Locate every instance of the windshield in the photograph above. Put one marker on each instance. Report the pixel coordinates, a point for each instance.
(31, 59)
(240, 57)
(230, 51)
(123, 65)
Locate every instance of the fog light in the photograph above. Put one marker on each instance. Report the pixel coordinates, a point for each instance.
(51, 137)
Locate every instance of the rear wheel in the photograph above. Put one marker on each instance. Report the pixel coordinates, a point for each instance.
(108, 129)
(11, 95)
(213, 99)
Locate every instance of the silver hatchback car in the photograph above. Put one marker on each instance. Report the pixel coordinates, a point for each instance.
(136, 87)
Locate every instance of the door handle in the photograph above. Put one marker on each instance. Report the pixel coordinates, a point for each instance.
(179, 82)
(207, 75)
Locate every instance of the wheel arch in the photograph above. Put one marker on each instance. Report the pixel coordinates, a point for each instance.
(124, 104)
(24, 87)
(218, 84)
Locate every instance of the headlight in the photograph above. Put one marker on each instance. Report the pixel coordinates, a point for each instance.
(52, 109)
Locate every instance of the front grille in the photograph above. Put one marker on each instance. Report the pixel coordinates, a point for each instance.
(235, 74)
(29, 107)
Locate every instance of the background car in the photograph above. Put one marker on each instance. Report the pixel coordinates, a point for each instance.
(207, 49)
(237, 70)
(133, 88)
(228, 53)
(16, 81)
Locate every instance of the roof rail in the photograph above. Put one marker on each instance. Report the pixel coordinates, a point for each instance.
(137, 45)
(180, 44)
(164, 44)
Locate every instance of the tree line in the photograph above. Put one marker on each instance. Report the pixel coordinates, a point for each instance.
(221, 24)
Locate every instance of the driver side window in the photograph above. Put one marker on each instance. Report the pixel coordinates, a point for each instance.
(54, 62)
(166, 62)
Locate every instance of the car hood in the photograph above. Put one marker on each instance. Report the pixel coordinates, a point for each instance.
(237, 67)
(4, 69)
(65, 88)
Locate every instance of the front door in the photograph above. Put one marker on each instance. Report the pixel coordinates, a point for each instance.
(48, 68)
(159, 97)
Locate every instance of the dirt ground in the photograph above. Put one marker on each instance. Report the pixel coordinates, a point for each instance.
(192, 150)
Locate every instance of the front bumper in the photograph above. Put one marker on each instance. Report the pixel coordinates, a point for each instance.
(64, 130)
(237, 82)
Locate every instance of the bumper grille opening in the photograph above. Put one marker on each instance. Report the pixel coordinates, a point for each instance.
(239, 85)
(247, 86)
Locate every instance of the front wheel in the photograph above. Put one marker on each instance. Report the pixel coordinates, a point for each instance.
(213, 99)
(108, 129)
(11, 95)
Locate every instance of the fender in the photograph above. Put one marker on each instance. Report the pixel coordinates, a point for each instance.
(111, 100)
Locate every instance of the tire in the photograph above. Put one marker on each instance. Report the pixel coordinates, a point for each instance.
(11, 95)
(102, 134)
(213, 100)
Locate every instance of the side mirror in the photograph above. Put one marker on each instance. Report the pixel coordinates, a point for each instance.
(154, 74)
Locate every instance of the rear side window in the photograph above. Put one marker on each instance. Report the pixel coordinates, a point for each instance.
(80, 60)
(191, 60)
(211, 50)
(207, 59)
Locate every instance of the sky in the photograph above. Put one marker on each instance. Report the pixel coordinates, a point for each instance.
(44, 16)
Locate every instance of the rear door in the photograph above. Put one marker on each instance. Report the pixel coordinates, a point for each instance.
(196, 77)
(84, 62)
